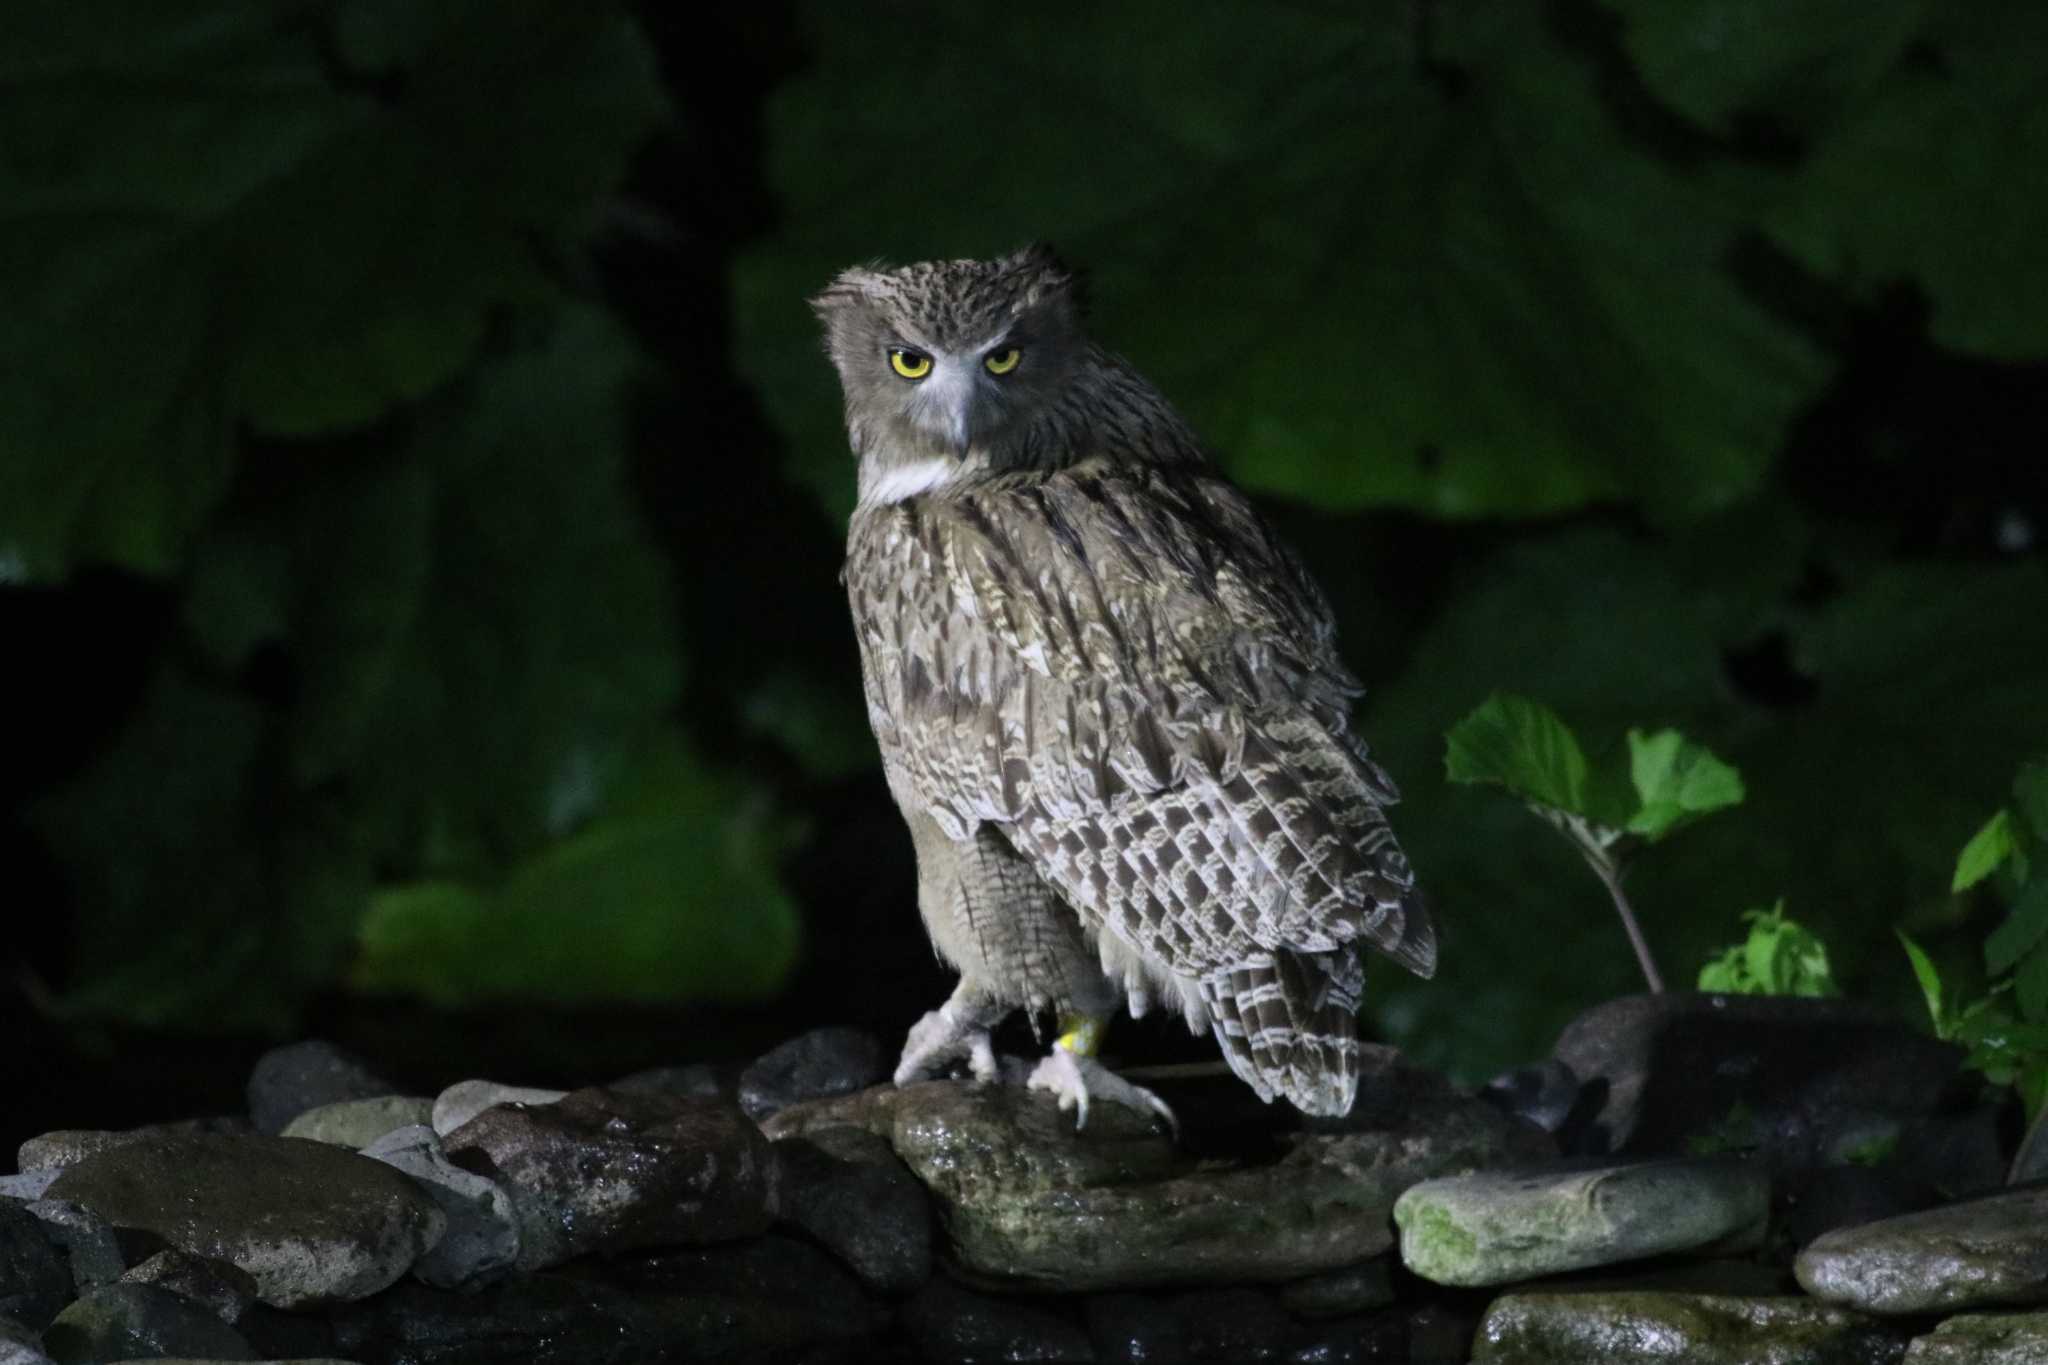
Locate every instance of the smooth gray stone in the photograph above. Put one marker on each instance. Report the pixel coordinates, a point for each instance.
(287, 1081)
(87, 1240)
(1983, 1339)
(1985, 1253)
(68, 1146)
(464, 1100)
(358, 1123)
(121, 1321)
(224, 1289)
(817, 1065)
(482, 1241)
(1495, 1227)
(1621, 1328)
(19, 1345)
(607, 1172)
(1029, 1202)
(312, 1223)
(28, 1186)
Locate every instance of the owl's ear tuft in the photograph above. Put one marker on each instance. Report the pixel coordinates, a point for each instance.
(1048, 279)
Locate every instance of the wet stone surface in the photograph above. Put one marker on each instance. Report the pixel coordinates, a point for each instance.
(1984, 1339)
(35, 1280)
(1989, 1252)
(482, 1237)
(1623, 1328)
(287, 1081)
(358, 1123)
(131, 1321)
(312, 1223)
(813, 1066)
(847, 1188)
(1495, 1227)
(227, 1291)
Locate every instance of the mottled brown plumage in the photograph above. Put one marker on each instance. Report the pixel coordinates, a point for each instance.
(1107, 696)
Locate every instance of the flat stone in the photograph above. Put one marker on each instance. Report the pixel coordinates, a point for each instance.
(1618, 1328)
(1026, 1201)
(605, 1172)
(19, 1345)
(28, 1186)
(1339, 1293)
(67, 1146)
(223, 1289)
(482, 1240)
(464, 1100)
(817, 1065)
(1986, 1253)
(952, 1324)
(124, 1321)
(87, 1240)
(847, 1188)
(287, 1081)
(358, 1123)
(1497, 1227)
(313, 1224)
(1983, 1339)
(35, 1279)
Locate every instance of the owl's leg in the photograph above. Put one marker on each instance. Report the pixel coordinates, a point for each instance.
(954, 1032)
(1073, 1076)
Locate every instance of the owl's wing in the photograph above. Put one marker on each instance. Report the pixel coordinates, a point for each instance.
(1127, 671)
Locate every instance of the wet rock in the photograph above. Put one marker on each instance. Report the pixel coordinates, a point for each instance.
(1368, 1337)
(287, 1081)
(482, 1240)
(27, 1186)
(1990, 1252)
(132, 1321)
(847, 1188)
(605, 1172)
(35, 1280)
(1027, 1201)
(358, 1123)
(313, 1224)
(698, 1080)
(68, 1146)
(1498, 1227)
(1699, 1329)
(1234, 1325)
(817, 1065)
(770, 1298)
(1983, 1339)
(464, 1100)
(19, 1345)
(1135, 1329)
(222, 1288)
(950, 1324)
(86, 1239)
(1339, 1293)
(1799, 1074)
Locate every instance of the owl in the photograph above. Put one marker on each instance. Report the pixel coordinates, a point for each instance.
(1107, 698)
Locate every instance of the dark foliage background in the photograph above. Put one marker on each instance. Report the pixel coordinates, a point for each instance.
(420, 487)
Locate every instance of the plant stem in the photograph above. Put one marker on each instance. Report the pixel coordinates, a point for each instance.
(1610, 877)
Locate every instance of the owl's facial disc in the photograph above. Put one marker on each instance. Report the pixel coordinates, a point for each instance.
(944, 395)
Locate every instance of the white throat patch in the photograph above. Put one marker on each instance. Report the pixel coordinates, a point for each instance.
(908, 480)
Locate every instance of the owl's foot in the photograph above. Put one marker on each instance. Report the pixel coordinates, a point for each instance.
(956, 1031)
(1075, 1080)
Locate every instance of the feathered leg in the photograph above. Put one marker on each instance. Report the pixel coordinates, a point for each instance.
(956, 1031)
(1073, 1076)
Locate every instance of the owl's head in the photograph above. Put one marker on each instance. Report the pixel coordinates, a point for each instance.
(949, 362)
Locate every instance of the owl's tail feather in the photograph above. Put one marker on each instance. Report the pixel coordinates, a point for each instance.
(1286, 1024)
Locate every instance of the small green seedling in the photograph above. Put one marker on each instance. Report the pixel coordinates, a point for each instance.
(1527, 748)
(1780, 957)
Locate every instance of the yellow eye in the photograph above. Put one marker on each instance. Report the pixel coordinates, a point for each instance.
(1002, 362)
(910, 364)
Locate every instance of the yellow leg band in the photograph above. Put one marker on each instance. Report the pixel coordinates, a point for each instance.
(1080, 1034)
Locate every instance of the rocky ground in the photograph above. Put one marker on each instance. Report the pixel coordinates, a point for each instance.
(1686, 1178)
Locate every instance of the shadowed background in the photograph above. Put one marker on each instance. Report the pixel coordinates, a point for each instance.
(421, 488)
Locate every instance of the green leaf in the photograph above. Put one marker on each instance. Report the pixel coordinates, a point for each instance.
(1988, 848)
(2030, 984)
(1677, 781)
(208, 223)
(668, 896)
(1930, 986)
(2023, 928)
(1936, 176)
(1295, 329)
(1727, 974)
(1523, 746)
